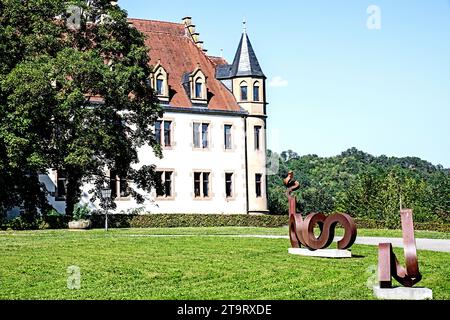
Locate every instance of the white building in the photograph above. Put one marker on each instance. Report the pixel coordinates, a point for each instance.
(213, 132)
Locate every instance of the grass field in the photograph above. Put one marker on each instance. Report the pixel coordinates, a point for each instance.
(210, 263)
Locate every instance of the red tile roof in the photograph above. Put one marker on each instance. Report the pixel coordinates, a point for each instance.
(179, 55)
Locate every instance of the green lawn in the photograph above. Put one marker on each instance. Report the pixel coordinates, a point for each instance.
(133, 264)
(277, 232)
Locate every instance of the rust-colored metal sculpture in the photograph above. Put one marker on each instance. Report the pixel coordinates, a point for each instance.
(388, 265)
(301, 232)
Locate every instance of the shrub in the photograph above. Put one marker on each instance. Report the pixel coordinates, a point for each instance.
(262, 221)
(81, 212)
(54, 220)
(198, 220)
(21, 224)
(188, 220)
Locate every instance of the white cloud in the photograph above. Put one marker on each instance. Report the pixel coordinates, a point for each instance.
(278, 82)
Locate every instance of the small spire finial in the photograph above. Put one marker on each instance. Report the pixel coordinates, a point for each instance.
(244, 25)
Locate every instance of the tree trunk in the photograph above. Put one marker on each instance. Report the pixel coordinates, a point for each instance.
(73, 192)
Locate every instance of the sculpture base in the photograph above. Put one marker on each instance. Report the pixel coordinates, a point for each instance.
(403, 293)
(322, 253)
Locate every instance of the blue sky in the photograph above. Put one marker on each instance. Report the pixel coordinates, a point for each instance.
(333, 83)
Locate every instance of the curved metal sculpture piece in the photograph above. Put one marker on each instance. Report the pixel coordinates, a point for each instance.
(301, 232)
(388, 265)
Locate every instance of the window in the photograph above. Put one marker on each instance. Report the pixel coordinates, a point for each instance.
(160, 87)
(167, 184)
(167, 133)
(61, 185)
(257, 137)
(205, 185)
(202, 185)
(201, 135)
(258, 185)
(197, 184)
(196, 135)
(227, 134)
(229, 185)
(205, 128)
(123, 187)
(159, 81)
(163, 138)
(244, 93)
(119, 186)
(158, 125)
(198, 89)
(256, 91)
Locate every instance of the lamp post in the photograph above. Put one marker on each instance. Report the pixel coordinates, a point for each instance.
(106, 195)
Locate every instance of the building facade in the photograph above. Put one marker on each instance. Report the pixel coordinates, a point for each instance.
(213, 132)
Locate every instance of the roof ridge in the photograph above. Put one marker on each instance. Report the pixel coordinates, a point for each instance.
(217, 57)
(159, 21)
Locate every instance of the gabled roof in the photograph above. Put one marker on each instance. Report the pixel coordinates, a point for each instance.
(245, 62)
(180, 56)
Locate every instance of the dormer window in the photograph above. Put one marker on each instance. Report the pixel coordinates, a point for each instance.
(256, 91)
(160, 86)
(160, 82)
(244, 91)
(198, 89)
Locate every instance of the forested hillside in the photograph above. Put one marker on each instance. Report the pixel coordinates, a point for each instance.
(364, 186)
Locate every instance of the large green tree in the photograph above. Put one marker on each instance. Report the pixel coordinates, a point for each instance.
(364, 186)
(74, 95)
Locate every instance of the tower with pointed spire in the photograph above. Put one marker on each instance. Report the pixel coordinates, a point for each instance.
(245, 78)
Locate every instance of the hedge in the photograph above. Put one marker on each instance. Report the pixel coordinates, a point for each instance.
(362, 223)
(188, 220)
(263, 221)
(198, 220)
(41, 223)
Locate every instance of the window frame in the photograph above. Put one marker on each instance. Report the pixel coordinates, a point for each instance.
(257, 137)
(198, 89)
(163, 177)
(256, 92)
(159, 88)
(198, 131)
(206, 181)
(159, 73)
(116, 187)
(198, 95)
(244, 94)
(167, 134)
(201, 174)
(160, 133)
(228, 137)
(232, 194)
(258, 185)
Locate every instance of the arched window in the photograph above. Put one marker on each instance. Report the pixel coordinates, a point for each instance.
(256, 88)
(198, 88)
(160, 85)
(244, 91)
(159, 82)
